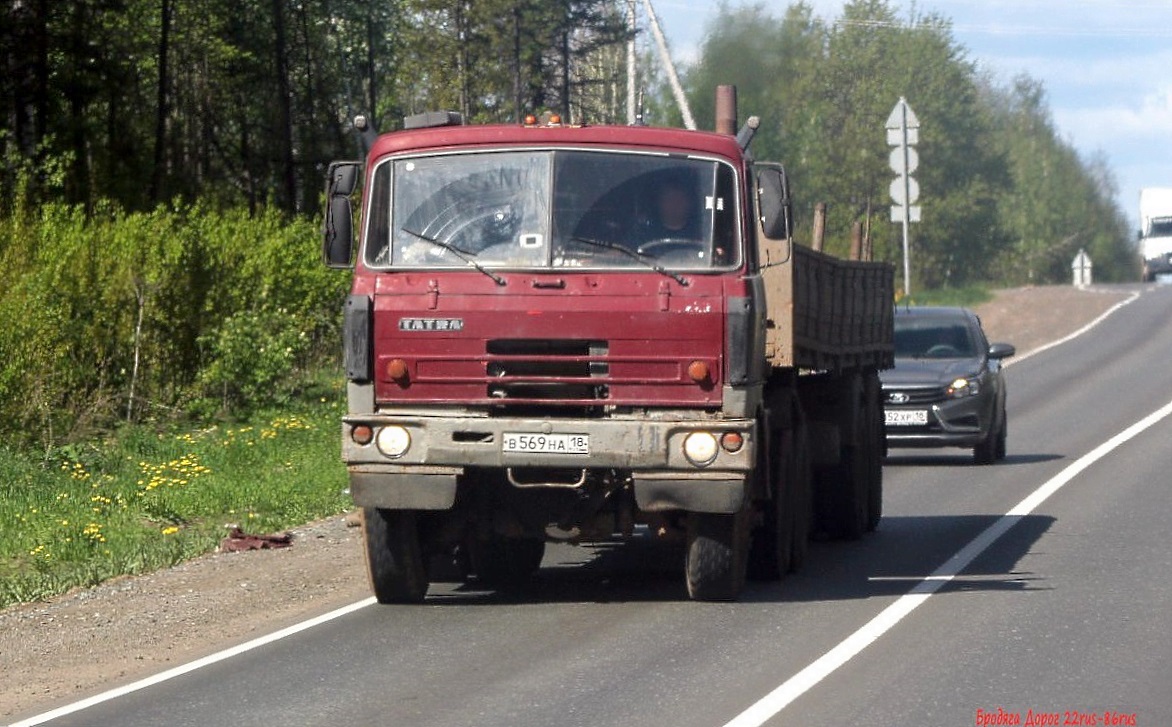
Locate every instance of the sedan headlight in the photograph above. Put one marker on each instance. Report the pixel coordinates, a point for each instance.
(962, 387)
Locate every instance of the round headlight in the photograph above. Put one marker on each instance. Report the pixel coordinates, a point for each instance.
(393, 441)
(700, 448)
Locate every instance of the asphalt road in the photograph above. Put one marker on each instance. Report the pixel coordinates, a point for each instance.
(1067, 613)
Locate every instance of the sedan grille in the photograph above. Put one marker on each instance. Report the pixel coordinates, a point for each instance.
(911, 397)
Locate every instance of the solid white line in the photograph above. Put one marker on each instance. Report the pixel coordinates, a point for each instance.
(1076, 334)
(797, 685)
(194, 665)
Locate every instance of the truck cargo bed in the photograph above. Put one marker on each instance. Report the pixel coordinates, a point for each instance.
(828, 314)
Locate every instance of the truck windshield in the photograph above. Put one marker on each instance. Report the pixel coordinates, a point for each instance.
(552, 209)
(1161, 227)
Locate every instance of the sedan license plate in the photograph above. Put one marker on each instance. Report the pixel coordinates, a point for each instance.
(522, 442)
(905, 418)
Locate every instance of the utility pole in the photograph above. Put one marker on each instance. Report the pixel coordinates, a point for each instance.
(673, 79)
(632, 71)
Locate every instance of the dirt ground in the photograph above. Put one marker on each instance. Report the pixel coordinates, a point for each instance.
(55, 652)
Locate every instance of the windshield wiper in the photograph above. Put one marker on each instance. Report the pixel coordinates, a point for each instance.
(634, 255)
(458, 252)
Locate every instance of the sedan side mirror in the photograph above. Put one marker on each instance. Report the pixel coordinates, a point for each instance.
(337, 232)
(1001, 350)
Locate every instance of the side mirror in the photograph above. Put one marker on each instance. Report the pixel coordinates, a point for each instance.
(774, 203)
(1001, 350)
(338, 232)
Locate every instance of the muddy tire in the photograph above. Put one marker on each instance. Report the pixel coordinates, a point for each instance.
(394, 555)
(718, 550)
(505, 562)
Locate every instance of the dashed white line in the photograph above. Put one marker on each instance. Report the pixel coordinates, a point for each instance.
(771, 704)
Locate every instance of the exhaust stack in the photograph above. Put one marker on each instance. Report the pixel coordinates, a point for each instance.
(726, 110)
(726, 117)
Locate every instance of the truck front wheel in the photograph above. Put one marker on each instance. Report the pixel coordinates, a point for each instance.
(394, 555)
(718, 553)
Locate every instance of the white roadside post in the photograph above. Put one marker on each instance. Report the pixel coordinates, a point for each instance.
(903, 132)
(1081, 269)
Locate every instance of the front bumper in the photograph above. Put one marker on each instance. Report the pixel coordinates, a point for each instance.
(651, 450)
(951, 423)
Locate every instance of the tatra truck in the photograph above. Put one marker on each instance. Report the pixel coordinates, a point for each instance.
(580, 334)
(1155, 235)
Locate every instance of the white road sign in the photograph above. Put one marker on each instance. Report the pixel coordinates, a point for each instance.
(897, 157)
(897, 190)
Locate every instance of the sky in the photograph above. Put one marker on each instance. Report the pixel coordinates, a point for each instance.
(1106, 66)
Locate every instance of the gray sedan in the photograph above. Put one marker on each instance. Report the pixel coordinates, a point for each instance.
(946, 389)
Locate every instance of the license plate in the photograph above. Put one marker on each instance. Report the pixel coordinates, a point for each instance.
(905, 418)
(546, 443)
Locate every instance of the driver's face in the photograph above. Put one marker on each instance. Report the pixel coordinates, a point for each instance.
(673, 208)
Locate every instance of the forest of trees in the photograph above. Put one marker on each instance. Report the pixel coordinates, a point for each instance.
(1005, 198)
(246, 101)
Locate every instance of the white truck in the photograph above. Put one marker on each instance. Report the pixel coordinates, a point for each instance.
(1155, 236)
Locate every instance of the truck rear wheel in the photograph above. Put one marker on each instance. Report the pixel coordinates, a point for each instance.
(847, 484)
(394, 555)
(876, 439)
(801, 502)
(842, 487)
(505, 562)
(718, 550)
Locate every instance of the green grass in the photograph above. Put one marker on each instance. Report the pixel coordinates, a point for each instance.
(146, 498)
(966, 297)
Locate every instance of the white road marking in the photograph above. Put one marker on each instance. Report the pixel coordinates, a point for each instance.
(797, 685)
(194, 665)
(1076, 334)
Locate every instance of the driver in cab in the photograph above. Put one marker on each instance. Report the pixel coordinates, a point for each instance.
(675, 217)
(674, 235)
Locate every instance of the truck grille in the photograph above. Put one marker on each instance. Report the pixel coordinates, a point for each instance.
(546, 370)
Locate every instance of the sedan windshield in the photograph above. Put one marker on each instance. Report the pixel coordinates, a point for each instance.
(933, 338)
(547, 209)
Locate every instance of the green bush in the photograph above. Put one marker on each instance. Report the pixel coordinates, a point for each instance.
(116, 315)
